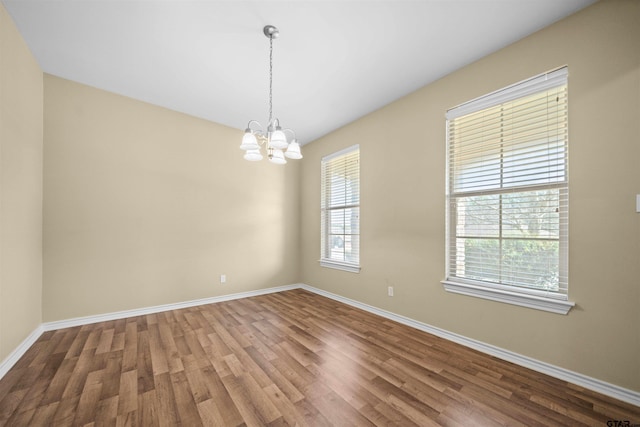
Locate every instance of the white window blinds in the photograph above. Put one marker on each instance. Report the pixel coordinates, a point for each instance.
(340, 209)
(508, 188)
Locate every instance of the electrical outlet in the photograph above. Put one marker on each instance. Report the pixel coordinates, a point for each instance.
(390, 291)
(223, 278)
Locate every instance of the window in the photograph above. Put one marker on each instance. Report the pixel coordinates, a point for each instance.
(507, 195)
(340, 210)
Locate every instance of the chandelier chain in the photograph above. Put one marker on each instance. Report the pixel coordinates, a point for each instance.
(270, 79)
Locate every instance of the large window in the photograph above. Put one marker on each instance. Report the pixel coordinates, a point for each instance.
(507, 194)
(340, 210)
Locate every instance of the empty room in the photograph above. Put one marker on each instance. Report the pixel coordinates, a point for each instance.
(322, 213)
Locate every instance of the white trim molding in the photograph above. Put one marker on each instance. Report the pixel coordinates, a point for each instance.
(352, 268)
(608, 389)
(78, 321)
(19, 351)
(16, 354)
(553, 305)
(626, 395)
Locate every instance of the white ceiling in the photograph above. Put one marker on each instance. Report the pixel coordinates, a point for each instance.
(334, 62)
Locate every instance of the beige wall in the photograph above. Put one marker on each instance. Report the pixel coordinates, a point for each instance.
(145, 206)
(20, 188)
(402, 150)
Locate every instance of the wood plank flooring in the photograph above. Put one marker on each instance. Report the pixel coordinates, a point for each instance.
(290, 358)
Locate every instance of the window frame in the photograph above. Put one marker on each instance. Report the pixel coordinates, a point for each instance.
(325, 207)
(530, 297)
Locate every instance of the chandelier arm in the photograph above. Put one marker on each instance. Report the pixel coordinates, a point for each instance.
(256, 122)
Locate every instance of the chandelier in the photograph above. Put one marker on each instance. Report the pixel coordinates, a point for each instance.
(274, 139)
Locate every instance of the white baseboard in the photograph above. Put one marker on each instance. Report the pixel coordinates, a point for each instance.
(78, 321)
(16, 354)
(617, 392)
(626, 395)
(19, 351)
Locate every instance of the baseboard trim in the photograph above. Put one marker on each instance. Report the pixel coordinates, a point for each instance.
(590, 383)
(19, 351)
(79, 321)
(16, 354)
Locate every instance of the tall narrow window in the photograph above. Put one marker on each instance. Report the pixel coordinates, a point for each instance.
(507, 191)
(340, 210)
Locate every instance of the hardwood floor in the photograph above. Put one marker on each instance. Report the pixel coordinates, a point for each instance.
(291, 358)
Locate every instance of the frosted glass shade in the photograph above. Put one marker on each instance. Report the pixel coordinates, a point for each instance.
(253, 155)
(278, 140)
(293, 152)
(278, 157)
(249, 142)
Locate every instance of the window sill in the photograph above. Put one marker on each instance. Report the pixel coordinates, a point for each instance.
(352, 268)
(530, 301)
